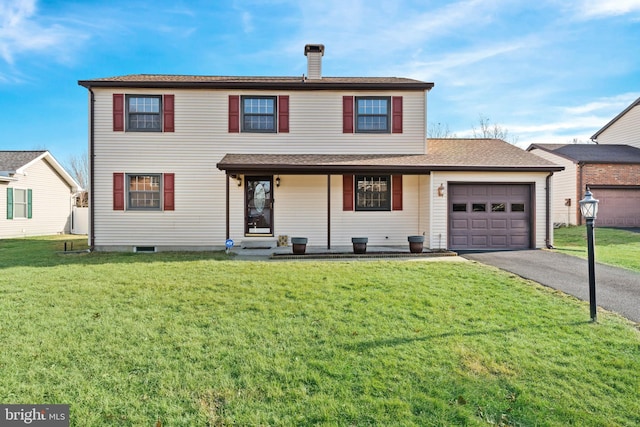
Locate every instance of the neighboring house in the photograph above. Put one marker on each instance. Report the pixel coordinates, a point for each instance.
(622, 129)
(612, 172)
(186, 162)
(36, 194)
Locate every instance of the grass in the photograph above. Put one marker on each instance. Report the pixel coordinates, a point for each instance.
(201, 340)
(613, 246)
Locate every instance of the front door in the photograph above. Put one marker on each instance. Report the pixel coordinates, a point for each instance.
(258, 206)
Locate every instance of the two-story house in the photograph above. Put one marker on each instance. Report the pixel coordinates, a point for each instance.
(187, 162)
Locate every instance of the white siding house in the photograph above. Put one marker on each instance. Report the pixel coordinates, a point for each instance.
(36, 194)
(186, 162)
(622, 129)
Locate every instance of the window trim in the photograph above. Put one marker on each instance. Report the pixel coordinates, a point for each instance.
(388, 204)
(357, 114)
(274, 114)
(128, 114)
(128, 191)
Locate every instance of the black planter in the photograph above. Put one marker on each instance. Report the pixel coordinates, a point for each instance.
(299, 245)
(359, 244)
(416, 244)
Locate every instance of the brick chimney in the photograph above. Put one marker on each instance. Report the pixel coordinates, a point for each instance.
(314, 53)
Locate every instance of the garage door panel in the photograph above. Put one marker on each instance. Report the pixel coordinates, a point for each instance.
(479, 224)
(459, 224)
(497, 216)
(478, 191)
(479, 241)
(519, 240)
(521, 191)
(460, 240)
(499, 240)
(519, 224)
(499, 190)
(499, 224)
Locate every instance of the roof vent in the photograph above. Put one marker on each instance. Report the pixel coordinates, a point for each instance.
(314, 53)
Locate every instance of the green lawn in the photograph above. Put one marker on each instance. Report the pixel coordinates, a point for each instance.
(203, 340)
(612, 246)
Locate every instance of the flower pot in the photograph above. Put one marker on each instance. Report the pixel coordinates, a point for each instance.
(416, 244)
(359, 244)
(299, 245)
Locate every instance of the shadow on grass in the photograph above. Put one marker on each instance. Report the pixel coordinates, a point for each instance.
(392, 342)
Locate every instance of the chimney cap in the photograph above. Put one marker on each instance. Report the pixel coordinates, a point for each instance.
(314, 48)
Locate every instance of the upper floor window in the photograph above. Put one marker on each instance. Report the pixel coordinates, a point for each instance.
(258, 113)
(144, 113)
(373, 193)
(372, 114)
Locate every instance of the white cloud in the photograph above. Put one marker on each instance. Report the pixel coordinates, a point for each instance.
(608, 105)
(247, 22)
(21, 32)
(589, 9)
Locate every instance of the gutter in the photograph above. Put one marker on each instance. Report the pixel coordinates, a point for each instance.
(92, 233)
(267, 85)
(548, 213)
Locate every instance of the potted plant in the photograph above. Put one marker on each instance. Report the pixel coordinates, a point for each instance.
(359, 244)
(416, 244)
(299, 245)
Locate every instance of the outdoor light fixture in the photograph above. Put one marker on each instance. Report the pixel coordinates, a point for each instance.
(239, 181)
(278, 181)
(589, 210)
(441, 190)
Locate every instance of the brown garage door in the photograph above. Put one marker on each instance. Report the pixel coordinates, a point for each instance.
(489, 216)
(618, 207)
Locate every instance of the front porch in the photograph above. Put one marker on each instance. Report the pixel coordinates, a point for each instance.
(338, 252)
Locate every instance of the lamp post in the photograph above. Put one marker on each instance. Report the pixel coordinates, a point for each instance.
(589, 210)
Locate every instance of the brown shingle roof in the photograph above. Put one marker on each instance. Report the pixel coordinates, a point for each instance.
(239, 82)
(443, 154)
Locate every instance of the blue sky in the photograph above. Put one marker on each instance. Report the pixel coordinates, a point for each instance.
(547, 70)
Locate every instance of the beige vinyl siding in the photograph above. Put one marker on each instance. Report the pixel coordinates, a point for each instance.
(51, 203)
(382, 228)
(563, 186)
(626, 130)
(439, 208)
(201, 139)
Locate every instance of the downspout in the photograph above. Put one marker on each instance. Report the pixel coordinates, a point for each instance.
(548, 213)
(328, 211)
(228, 226)
(579, 193)
(92, 233)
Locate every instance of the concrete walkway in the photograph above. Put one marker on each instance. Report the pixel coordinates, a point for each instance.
(343, 253)
(617, 289)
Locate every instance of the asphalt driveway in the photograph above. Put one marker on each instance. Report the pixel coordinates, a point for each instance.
(617, 289)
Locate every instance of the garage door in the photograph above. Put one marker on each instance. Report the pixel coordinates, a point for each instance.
(489, 216)
(618, 207)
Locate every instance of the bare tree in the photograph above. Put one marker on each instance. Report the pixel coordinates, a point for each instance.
(439, 130)
(493, 130)
(78, 166)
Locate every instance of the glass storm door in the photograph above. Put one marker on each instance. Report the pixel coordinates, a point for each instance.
(258, 205)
